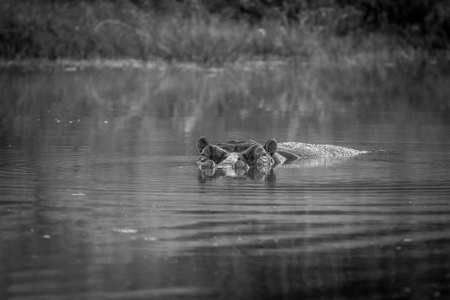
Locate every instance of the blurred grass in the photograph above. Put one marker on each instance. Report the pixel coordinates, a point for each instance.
(192, 32)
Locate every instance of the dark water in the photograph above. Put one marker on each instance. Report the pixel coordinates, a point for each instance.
(101, 198)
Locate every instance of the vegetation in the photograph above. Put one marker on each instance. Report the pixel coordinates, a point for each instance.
(215, 32)
(340, 59)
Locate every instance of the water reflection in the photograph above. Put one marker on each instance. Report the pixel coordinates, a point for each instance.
(206, 175)
(101, 196)
(290, 102)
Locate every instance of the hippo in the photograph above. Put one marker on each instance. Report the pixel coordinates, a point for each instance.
(237, 155)
(242, 156)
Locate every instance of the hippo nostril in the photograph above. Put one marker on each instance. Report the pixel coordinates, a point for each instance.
(209, 164)
(240, 164)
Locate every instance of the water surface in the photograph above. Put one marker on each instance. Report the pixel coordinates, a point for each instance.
(101, 198)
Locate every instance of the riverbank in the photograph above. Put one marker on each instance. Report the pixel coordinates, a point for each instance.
(50, 33)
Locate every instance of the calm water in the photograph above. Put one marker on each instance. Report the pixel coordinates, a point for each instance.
(101, 198)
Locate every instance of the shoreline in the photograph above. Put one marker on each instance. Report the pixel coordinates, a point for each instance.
(362, 60)
(69, 65)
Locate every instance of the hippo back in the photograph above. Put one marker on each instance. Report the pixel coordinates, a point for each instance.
(304, 150)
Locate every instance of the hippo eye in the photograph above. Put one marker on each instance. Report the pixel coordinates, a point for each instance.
(259, 153)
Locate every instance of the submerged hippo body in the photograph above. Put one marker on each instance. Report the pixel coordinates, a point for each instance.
(247, 155)
(306, 151)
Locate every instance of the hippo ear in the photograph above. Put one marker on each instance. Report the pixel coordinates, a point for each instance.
(271, 146)
(202, 143)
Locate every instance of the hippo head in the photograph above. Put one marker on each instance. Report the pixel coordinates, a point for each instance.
(237, 157)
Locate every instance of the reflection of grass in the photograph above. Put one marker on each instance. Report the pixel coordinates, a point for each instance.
(82, 30)
(277, 101)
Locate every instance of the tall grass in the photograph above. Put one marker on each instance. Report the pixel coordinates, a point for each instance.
(143, 30)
